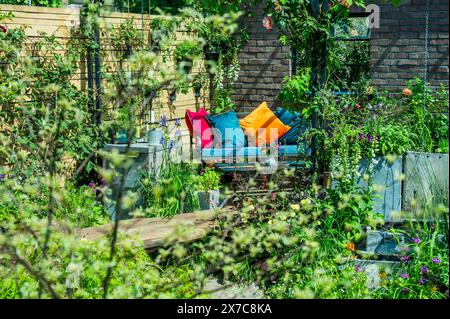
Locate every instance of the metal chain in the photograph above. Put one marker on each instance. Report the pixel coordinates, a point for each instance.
(425, 70)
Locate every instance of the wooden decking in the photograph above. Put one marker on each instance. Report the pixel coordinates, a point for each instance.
(156, 232)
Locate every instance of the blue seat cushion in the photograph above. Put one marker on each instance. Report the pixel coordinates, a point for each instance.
(287, 117)
(294, 120)
(217, 154)
(226, 128)
(293, 150)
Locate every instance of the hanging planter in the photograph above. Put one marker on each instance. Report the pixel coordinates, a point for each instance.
(185, 53)
(121, 137)
(186, 64)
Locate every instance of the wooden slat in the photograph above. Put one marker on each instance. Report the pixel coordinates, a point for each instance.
(153, 232)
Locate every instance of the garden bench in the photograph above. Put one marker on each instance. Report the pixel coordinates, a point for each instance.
(240, 157)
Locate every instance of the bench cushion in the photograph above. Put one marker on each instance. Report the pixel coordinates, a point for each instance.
(262, 126)
(226, 129)
(199, 126)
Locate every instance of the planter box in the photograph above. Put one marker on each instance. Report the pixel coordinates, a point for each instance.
(384, 174)
(426, 181)
(373, 269)
(144, 158)
(209, 200)
(383, 243)
(154, 136)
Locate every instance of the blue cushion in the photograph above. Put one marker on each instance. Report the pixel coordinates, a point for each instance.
(215, 154)
(287, 117)
(287, 150)
(293, 150)
(227, 124)
(294, 120)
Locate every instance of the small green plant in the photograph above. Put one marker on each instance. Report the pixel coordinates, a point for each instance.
(187, 50)
(208, 180)
(295, 91)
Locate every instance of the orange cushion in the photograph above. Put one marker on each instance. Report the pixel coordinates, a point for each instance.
(263, 126)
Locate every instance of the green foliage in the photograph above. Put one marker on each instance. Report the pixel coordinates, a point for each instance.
(187, 49)
(171, 193)
(39, 3)
(295, 93)
(209, 180)
(424, 270)
(55, 105)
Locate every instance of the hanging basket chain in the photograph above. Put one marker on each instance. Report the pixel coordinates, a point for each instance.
(426, 57)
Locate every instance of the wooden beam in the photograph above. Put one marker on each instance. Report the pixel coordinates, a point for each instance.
(157, 232)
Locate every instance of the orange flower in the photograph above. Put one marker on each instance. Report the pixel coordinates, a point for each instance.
(345, 3)
(350, 246)
(407, 92)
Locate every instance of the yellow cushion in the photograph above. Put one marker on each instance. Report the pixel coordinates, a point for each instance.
(263, 126)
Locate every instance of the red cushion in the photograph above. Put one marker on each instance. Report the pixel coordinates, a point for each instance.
(198, 126)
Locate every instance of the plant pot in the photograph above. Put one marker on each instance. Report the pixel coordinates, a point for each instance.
(197, 92)
(154, 136)
(209, 199)
(186, 64)
(212, 56)
(121, 137)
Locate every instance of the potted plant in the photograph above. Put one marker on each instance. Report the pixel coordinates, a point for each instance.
(163, 33)
(208, 189)
(185, 53)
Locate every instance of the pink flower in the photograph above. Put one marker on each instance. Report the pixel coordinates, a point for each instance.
(268, 23)
(4, 28)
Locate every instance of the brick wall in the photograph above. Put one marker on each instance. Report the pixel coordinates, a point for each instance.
(398, 46)
(264, 63)
(397, 52)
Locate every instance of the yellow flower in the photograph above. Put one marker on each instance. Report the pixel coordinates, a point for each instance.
(434, 289)
(383, 275)
(277, 6)
(295, 206)
(305, 201)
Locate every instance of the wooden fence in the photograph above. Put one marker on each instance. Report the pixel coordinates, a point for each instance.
(60, 21)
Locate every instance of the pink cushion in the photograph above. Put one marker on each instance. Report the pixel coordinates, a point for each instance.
(198, 126)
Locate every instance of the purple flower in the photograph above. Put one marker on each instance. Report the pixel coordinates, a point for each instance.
(378, 137)
(424, 269)
(405, 259)
(369, 138)
(161, 141)
(416, 240)
(361, 136)
(423, 281)
(102, 181)
(2, 177)
(405, 291)
(171, 144)
(358, 269)
(163, 121)
(177, 122)
(436, 261)
(404, 276)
